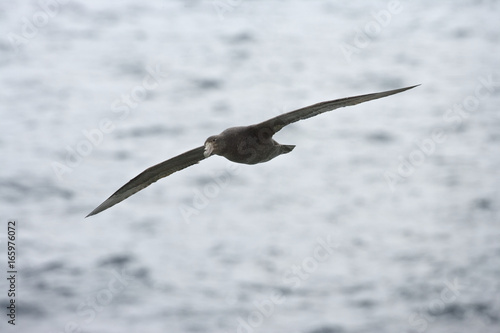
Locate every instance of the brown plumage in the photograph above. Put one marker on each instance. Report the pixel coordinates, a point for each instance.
(245, 144)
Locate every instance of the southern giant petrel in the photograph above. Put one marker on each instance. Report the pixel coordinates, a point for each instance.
(244, 144)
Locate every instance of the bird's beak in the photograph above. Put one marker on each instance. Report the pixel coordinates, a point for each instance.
(209, 148)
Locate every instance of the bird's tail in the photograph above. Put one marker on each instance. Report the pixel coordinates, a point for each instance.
(286, 148)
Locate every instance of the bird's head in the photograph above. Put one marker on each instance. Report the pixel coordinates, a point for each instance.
(213, 145)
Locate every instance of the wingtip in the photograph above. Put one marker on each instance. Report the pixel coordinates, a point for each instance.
(96, 210)
(407, 88)
(99, 209)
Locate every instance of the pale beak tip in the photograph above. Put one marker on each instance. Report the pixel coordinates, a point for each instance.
(208, 150)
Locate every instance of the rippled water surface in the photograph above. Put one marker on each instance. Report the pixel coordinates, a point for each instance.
(385, 217)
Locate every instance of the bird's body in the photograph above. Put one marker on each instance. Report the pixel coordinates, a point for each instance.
(244, 144)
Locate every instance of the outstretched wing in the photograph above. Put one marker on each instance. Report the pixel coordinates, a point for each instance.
(277, 123)
(150, 175)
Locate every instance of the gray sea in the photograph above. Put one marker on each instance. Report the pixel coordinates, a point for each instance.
(385, 217)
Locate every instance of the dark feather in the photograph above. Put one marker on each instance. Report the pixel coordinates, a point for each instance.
(277, 123)
(150, 175)
(256, 138)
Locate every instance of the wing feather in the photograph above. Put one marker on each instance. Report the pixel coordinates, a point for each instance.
(277, 123)
(151, 175)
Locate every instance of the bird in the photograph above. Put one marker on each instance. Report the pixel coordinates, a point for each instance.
(243, 144)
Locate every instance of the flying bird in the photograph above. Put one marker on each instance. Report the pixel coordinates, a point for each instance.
(244, 144)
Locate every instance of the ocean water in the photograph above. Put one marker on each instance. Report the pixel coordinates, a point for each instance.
(385, 217)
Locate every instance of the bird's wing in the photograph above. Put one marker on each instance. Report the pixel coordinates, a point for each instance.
(150, 175)
(277, 123)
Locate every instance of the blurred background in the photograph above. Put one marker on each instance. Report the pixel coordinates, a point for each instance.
(385, 218)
